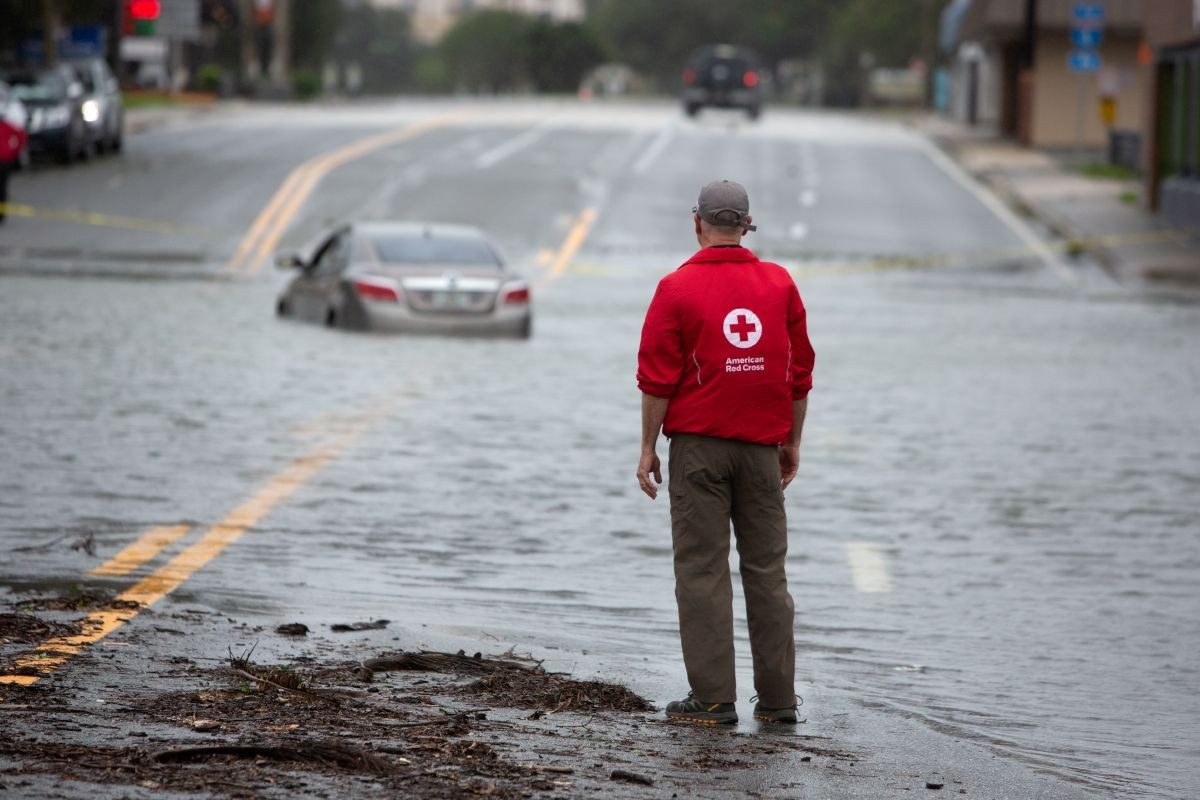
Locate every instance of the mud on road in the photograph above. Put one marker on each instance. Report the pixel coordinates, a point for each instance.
(355, 721)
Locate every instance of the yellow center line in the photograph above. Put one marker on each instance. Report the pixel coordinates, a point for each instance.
(97, 219)
(576, 236)
(52, 653)
(264, 219)
(264, 235)
(134, 555)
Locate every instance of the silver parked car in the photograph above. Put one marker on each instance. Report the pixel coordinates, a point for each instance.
(103, 108)
(407, 277)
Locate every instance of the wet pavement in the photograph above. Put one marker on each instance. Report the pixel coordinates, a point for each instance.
(993, 534)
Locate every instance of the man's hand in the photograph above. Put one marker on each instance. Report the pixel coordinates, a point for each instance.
(789, 461)
(650, 465)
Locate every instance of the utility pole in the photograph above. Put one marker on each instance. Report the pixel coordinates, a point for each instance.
(1025, 77)
(929, 47)
(50, 32)
(248, 26)
(1029, 60)
(281, 51)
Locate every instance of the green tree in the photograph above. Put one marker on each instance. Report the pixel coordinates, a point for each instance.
(488, 51)
(560, 55)
(314, 26)
(656, 37)
(380, 41)
(865, 34)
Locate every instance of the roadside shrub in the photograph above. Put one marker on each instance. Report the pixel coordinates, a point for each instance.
(208, 78)
(306, 84)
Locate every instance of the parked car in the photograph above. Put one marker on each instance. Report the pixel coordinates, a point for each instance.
(723, 76)
(103, 109)
(53, 99)
(407, 277)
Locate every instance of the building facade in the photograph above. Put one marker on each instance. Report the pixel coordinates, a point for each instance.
(1172, 112)
(1025, 85)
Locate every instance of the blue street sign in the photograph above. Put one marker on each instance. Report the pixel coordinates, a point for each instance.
(1088, 13)
(1086, 38)
(78, 41)
(1084, 61)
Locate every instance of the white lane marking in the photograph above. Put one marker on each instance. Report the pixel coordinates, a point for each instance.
(808, 198)
(868, 567)
(798, 230)
(513, 146)
(655, 149)
(997, 207)
(810, 168)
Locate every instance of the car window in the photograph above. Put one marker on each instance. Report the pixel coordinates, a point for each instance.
(84, 72)
(46, 86)
(416, 248)
(335, 257)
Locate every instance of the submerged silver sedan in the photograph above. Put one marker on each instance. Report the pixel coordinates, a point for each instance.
(407, 277)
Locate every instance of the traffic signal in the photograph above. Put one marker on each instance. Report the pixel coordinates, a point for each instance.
(141, 16)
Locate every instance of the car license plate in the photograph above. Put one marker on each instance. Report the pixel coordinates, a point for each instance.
(448, 300)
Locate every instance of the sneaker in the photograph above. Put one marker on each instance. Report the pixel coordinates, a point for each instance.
(786, 715)
(693, 710)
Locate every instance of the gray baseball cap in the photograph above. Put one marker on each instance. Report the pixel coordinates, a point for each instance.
(725, 204)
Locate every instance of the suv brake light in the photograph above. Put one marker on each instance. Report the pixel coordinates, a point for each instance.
(750, 79)
(689, 76)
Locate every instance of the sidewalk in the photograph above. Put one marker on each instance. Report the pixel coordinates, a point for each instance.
(1101, 215)
(145, 118)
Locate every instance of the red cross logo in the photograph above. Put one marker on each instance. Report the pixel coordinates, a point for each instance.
(742, 328)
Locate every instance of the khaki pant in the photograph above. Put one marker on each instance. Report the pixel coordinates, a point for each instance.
(714, 481)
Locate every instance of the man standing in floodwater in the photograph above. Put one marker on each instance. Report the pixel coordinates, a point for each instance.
(725, 367)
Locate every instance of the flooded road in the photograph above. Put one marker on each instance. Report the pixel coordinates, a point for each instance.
(993, 532)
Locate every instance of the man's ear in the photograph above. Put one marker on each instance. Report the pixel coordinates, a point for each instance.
(747, 220)
(696, 221)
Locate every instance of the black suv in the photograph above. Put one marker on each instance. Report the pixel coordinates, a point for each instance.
(723, 76)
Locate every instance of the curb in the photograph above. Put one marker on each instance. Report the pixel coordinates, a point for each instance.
(140, 122)
(1106, 257)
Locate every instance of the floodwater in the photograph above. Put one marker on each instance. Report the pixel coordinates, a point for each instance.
(994, 533)
(1019, 463)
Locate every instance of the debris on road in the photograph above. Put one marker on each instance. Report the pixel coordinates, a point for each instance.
(326, 753)
(28, 629)
(359, 626)
(431, 725)
(293, 629)
(631, 777)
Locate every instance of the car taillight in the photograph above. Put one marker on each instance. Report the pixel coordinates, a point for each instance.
(376, 289)
(689, 76)
(517, 294)
(750, 79)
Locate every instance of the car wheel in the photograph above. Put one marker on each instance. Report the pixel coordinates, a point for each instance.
(754, 112)
(331, 318)
(66, 154)
(281, 308)
(526, 328)
(115, 144)
(691, 110)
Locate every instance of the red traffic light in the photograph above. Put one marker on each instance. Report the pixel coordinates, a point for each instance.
(144, 9)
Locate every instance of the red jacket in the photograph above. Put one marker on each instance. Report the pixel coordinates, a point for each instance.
(725, 339)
